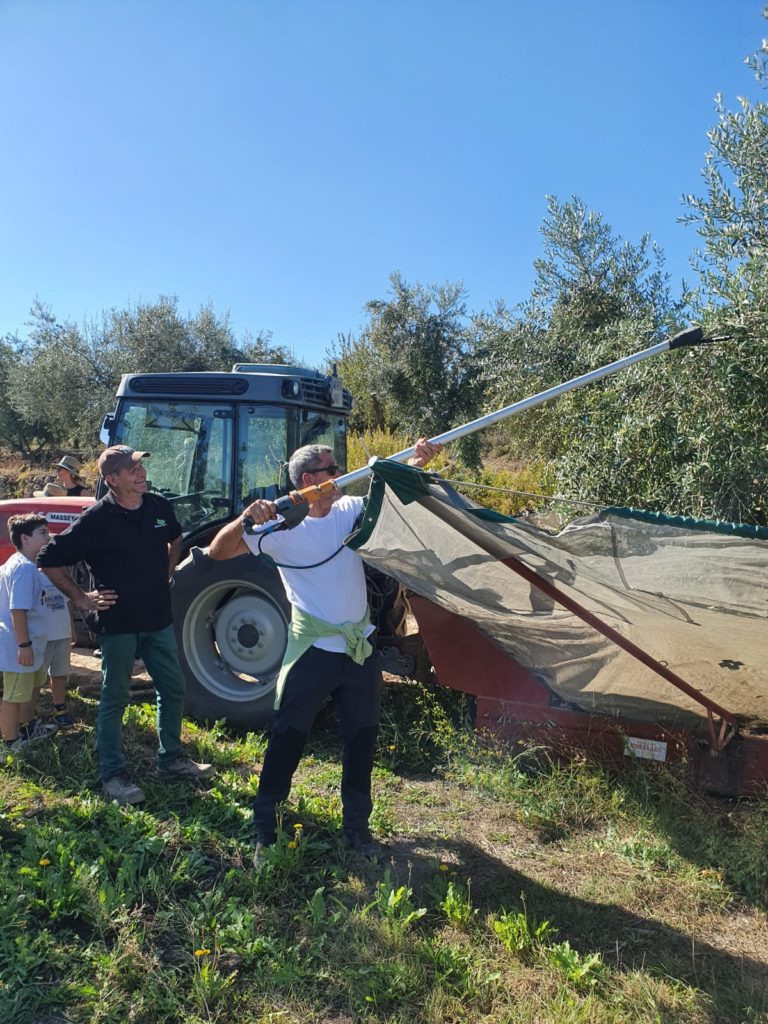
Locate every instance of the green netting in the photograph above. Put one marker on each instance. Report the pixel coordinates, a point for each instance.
(693, 594)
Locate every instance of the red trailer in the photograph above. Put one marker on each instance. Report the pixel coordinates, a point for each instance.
(628, 634)
(513, 704)
(59, 512)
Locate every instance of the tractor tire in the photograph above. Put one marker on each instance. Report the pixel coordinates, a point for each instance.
(231, 619)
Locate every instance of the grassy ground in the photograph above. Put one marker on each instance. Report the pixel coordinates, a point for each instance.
(514, 890)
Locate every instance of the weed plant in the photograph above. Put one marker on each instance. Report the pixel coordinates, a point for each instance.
(513, 888)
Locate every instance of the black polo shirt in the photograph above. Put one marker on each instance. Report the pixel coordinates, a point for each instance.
(126, 551)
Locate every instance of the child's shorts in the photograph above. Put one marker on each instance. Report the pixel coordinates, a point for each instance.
(56, 657)
(18, 686)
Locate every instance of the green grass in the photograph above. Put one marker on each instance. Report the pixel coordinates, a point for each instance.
(516, 890)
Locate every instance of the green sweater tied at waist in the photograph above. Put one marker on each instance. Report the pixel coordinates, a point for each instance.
(305, 629)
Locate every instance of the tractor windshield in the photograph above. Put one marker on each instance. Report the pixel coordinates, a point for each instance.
(268, 434)
(213, 459)
(190, 445)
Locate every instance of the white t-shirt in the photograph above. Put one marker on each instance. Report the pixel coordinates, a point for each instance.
(59, 622)
(21, 589)
(335, 591)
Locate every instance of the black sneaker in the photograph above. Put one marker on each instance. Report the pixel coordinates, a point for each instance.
(36, 730)
(63, 718)
(263, 841)
(360, 841)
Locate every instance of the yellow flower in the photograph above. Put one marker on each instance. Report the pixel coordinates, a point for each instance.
(202, 952)
(43, 862)
(292, 844)
(443, 867)
(392, 748)
(298, 826)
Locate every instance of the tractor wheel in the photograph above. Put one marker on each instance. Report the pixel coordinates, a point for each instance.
(231, 619)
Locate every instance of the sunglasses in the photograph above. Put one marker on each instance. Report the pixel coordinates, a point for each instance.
(332, 468)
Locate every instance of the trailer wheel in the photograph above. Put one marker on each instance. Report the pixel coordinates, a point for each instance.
(231, 619)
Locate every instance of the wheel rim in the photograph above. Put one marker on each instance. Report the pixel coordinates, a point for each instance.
(234, 637)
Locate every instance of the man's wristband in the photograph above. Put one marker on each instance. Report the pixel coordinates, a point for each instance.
(27, 644)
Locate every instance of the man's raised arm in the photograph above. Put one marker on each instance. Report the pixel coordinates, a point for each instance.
(228, 542)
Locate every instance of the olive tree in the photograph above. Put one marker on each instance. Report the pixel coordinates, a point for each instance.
(728, 397)
(425, 345)
(595, 298)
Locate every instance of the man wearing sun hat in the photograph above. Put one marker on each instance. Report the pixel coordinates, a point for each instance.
(131, 541)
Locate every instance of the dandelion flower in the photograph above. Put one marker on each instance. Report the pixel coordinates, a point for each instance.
(202, 952)
(44, 862)
(291, 844)
(443, 867)
(392, 748)
(298, 827)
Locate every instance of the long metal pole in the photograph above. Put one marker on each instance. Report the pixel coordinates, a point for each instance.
(293, 506)
(691, 336)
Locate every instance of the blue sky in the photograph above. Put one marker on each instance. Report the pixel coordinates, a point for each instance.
(280, 158)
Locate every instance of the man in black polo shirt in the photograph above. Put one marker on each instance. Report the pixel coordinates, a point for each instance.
(131, 540)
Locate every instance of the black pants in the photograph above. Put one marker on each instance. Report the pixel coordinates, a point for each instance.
(356, 694)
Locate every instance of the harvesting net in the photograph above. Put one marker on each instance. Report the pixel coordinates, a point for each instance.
(692, 594)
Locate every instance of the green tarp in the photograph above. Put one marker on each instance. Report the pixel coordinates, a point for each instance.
(694, 595)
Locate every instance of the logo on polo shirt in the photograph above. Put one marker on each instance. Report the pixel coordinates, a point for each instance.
(160, 523)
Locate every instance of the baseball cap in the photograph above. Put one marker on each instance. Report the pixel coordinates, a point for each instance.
(118, 457)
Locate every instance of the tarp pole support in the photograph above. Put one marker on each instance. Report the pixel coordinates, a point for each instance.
(548, 588)
(721, 740)
(532, 577)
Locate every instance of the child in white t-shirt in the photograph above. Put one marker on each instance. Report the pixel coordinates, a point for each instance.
(23, 625)
(56, 655)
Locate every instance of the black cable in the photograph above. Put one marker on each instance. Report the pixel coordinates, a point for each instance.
(282, 565)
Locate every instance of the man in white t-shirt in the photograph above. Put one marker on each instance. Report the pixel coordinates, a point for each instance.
(328, 654)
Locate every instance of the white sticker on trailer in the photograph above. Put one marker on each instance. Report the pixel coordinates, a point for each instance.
(651, 750)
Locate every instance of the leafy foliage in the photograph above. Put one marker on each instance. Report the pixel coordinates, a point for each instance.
(413, 368)
(156, 915)
(82, 366)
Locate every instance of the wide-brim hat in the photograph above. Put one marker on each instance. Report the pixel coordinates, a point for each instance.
(69, 462)
(51, 490)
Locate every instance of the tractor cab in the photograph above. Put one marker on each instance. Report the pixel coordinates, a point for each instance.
(218, 441)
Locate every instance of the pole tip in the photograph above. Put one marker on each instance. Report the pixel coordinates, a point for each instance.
(690, 336)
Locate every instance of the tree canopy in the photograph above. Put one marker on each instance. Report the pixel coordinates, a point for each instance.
(82, 366)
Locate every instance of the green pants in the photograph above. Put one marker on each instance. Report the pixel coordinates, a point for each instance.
(118, 652)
